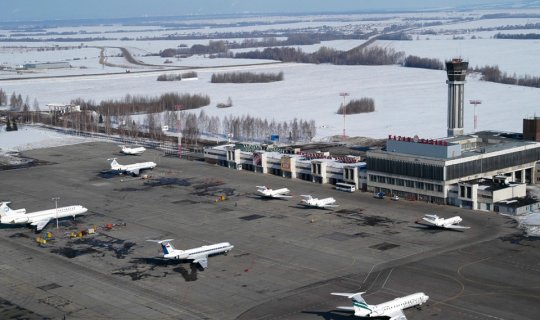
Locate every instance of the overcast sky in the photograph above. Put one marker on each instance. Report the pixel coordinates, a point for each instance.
(13, 10)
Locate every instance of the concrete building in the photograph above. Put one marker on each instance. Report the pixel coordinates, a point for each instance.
(472, 171)
(63, 108)
(47, 65)
(531, 129)
(318, 167)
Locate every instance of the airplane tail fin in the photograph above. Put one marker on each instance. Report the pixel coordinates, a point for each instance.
(114, 163)
(6, 211)
(360, 306)
(166, 245)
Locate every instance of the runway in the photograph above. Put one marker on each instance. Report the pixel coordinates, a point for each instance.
(285, 262)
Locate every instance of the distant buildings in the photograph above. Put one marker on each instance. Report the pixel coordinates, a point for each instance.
(63, 108)
(47, 65)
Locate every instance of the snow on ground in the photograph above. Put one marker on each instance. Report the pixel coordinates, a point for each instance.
(408, 101)
(30, 137)
(519, 56)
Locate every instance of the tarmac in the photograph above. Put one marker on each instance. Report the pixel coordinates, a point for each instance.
(286, 260)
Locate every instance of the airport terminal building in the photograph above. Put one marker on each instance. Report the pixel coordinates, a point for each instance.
(318, 167)
(487, 170)
(477, 171)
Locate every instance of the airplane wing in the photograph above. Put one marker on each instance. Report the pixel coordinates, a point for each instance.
(456, 226)
(281, 196)
(397, 315)
(428, 220)
(40, 224)
(329, 206)
(202, 261)
(134, 172)
(351, 309)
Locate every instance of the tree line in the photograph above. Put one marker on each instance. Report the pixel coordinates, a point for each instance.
(132, 104)
(520, 36)
(223, 46)
(358, 56)
(494, 74)
(355, 106)
(177, 77)
(426, 63)
(246, 77)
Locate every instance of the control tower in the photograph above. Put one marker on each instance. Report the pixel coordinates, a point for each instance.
(456, 70)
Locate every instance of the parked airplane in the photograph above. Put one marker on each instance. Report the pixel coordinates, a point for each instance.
(450, 223)
(392, 309)
(269, 193)
(132, 151)
(311, 202)
(39, 219)
(133, 169)
(196, 255)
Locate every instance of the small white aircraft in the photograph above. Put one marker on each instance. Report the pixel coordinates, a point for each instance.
(450, 223)
(132, 151)
(269, 193)
(39, 219)
(392, 309)
(196, 255)
(309, 201)
(133, 169)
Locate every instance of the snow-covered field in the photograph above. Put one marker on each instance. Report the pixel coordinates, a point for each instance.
(31, 137)
(408, 101)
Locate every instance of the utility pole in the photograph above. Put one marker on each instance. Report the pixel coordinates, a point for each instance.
(55, 199)
(475, 103)
(179, 107)
(344, 110)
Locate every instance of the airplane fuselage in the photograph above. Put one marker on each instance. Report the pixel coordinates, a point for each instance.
(442, 222)
(19, 216)
(319, 203)
(194, 253)
(397, 304)
(133, 151)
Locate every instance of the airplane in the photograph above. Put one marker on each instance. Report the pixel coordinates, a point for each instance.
(311, 202)
(196, 255)
(133, 169)
(269, 193)
(450, 223)
(392, 309)
(39, 219)
(132, 151)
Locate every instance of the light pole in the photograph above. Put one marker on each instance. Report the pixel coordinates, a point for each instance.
(55, 199)
(344, 110)
(179, 108)
(475, 102)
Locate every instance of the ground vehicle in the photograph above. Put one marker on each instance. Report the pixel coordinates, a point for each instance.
(379, 195)
(341, 186)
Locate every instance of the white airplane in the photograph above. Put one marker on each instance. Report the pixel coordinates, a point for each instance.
(196, 255)
(311, 202)
(269, 193)
(450, 223)
(133, 169)
(39, 219)
(392, 309)
(132, 151)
